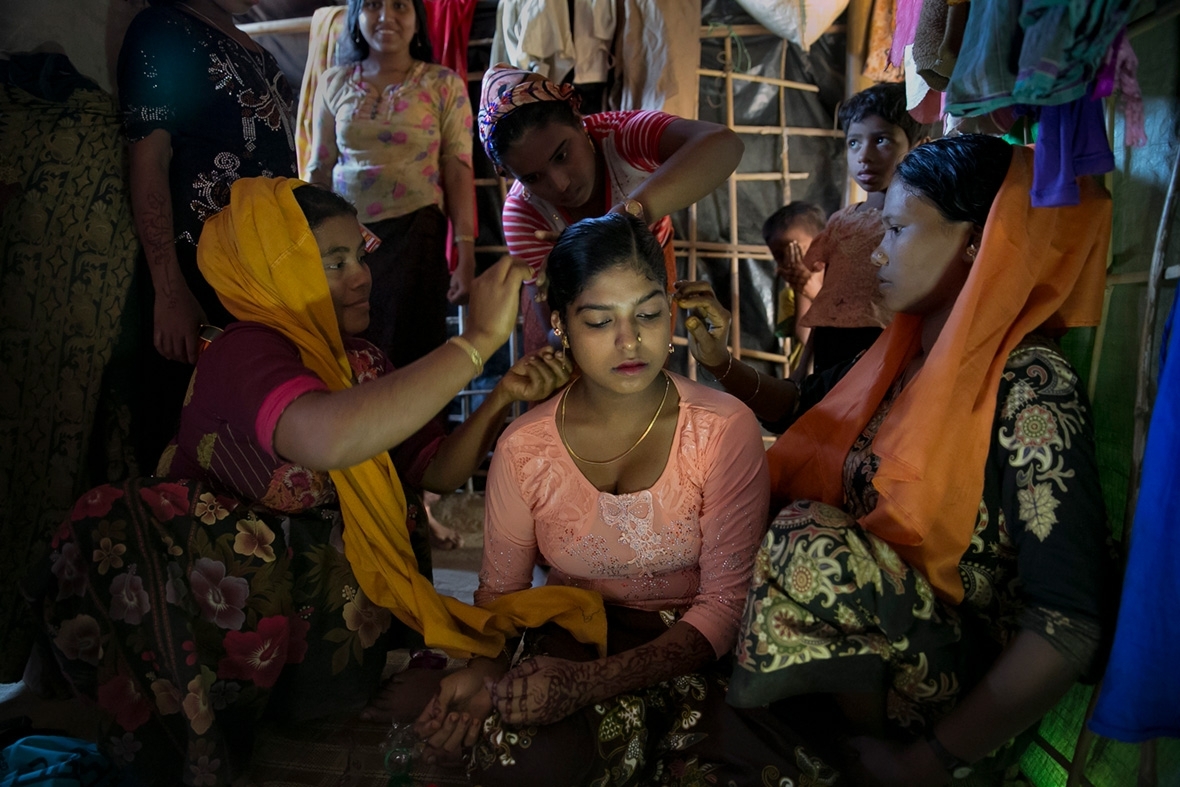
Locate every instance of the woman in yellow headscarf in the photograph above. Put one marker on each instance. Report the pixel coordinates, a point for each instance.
(941, 564)
(262, 573)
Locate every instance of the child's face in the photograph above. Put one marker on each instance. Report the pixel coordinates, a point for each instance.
(874, 147)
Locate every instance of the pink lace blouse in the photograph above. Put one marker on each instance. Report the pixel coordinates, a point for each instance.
(686, 544)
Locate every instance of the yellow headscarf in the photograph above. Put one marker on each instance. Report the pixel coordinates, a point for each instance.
(1037, 267)
(326, 25)
(263, 260)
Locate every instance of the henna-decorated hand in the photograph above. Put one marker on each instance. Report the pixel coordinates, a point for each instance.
(542, 690)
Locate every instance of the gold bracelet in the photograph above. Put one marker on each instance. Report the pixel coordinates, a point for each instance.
(464, 239)
(757, 387)
(724, 374)
(472, 353)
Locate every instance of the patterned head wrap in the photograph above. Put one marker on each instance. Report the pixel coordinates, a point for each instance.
(506, 89)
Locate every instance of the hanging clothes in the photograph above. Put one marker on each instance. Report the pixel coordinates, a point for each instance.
(594, 33)
(448, 26)
(1141, 690)
(905, 28)
(1120, 72)
(1071, 143)
(938, 40)
(651, 73)
(534, 35)
(880, 36)
(1057, 49)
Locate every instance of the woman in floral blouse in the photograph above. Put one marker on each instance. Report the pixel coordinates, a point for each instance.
(941, 568)
(391, 131)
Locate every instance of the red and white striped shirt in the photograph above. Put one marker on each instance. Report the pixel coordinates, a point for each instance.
(637, 138)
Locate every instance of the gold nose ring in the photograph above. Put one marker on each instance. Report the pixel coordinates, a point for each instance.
(878, 258)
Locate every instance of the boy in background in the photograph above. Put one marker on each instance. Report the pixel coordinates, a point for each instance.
(788, 233)
(846, 316)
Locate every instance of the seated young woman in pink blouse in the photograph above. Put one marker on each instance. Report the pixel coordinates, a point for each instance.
(650, 489)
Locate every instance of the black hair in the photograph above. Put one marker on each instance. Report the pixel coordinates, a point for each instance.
(592, 246)
(959, 175)
(318, 204)
(886, 101)
(353, 48)
(512, 126)
(810, 215)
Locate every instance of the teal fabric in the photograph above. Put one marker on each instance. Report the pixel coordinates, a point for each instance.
(53, 761)
(1039, 52)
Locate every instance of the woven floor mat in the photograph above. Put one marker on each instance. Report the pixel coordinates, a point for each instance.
(334, 752)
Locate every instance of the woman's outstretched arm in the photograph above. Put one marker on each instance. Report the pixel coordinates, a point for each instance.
(329, 431)
(695, 158)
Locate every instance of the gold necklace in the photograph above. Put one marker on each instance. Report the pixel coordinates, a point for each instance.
(654, 418)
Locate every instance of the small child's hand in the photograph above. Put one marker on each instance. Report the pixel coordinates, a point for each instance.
(537, 375)
(792, 269)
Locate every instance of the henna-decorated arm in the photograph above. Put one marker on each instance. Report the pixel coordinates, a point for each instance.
(545, 689)
(178, 316)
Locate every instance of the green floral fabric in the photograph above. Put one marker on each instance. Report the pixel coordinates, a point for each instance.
(833, 608)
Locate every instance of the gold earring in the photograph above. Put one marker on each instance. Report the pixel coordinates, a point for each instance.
(971, 251)
(671, 348)
(565, 342)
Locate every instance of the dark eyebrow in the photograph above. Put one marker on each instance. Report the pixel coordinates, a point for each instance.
(337, 250)
(594, 307)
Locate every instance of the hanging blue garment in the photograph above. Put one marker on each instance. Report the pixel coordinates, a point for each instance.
(1140, 696)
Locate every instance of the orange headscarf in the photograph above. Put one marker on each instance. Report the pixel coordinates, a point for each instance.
(1036, 267)
(263, 260)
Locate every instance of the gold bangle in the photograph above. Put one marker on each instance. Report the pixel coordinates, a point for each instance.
(757, 387)
(464, 239)
(472, 353)
(723, 375)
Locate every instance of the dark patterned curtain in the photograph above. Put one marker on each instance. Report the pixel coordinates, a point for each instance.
(67, 251)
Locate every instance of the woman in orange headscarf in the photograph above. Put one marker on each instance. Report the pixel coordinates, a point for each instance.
(941, 567)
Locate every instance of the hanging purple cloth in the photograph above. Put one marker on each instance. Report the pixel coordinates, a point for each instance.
(1071, 143)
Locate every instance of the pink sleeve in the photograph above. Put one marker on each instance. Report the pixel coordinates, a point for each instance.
(734, 517)
(509, 534)
(276, 402)
(520, 222)
(639, 135)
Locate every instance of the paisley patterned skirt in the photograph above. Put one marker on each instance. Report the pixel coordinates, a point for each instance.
(834, 609)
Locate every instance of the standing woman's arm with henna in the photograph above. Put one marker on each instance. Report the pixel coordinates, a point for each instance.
(178, 315)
